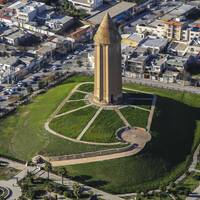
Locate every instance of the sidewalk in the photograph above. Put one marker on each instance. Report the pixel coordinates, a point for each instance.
(69, 183)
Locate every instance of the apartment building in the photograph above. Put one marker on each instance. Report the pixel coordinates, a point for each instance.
(26, 11)
(172, 29)
(88, 5)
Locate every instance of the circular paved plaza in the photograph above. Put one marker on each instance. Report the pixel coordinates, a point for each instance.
(137, 136)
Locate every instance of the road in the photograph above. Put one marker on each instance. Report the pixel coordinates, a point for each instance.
(157, 84)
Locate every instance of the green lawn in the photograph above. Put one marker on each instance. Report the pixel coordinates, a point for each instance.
(119, 175)
(72, 124)
(77, 95)
(136, 117)
(187, 185)
(198, 165)
(22, 134)
(104, 127)
(175, 133)
(139, 99)
(143, 103)
(87, 87)
(191, 182)
(71, 106)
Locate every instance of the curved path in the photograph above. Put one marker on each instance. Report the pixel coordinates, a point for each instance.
(137, 137)
(12, 183)
(54, 115)
(140, 144)
(131, 152)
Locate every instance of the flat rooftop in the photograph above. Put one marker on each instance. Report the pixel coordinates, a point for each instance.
(113, 11)
(136, 37)
(179, 46)
(155, 42)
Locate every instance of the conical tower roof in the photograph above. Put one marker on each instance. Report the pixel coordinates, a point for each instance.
(107, 32)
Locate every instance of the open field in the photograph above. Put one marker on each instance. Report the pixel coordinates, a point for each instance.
(22, 134)
(72, 124)
(104, 127)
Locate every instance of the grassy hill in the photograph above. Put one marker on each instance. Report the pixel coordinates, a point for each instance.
(175, 134)
(22, 134)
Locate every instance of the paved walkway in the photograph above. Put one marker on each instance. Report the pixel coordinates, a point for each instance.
(16, 190)
(54, 114)
(140, 108)
(192, 166)
(12, 183)
(71, 111)
(126, 123)
(74, 100)
(82, 92)
(13, 164)
(69, 183)
(89, 123)
(47, 128)
(196, 193)
(150, 119)
(97, 158)
(93, 158)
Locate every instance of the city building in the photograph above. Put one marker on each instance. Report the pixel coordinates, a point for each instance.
(137, 61)
(26, 11)
(194, 47)
(155, 45)
(88, 5)
(118, 12)
(59, 22)
(107, 72)
(133, 40)
(14, 36)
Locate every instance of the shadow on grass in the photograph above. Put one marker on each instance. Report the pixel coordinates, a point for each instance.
(173, 130)
(174, 135)
(87, 180)
(135, 99)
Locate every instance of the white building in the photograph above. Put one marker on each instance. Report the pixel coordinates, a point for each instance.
(156, 45)
(156, 28)
(27, 11)
(88, 5)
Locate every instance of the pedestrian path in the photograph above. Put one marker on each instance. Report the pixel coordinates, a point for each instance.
(122, 118)
(69, 183)
(89, 123)
(150, 119)
(71, 111)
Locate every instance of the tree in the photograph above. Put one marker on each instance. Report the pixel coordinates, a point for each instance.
(48, 168)
(42, 84)
(50, 188)
(65, 194)
(29, 89)
(79, 62)
(77, 189)
(62, 172)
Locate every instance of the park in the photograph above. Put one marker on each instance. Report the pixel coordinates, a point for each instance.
(175, 133)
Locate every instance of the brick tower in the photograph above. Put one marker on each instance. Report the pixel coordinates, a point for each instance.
(107, 73)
